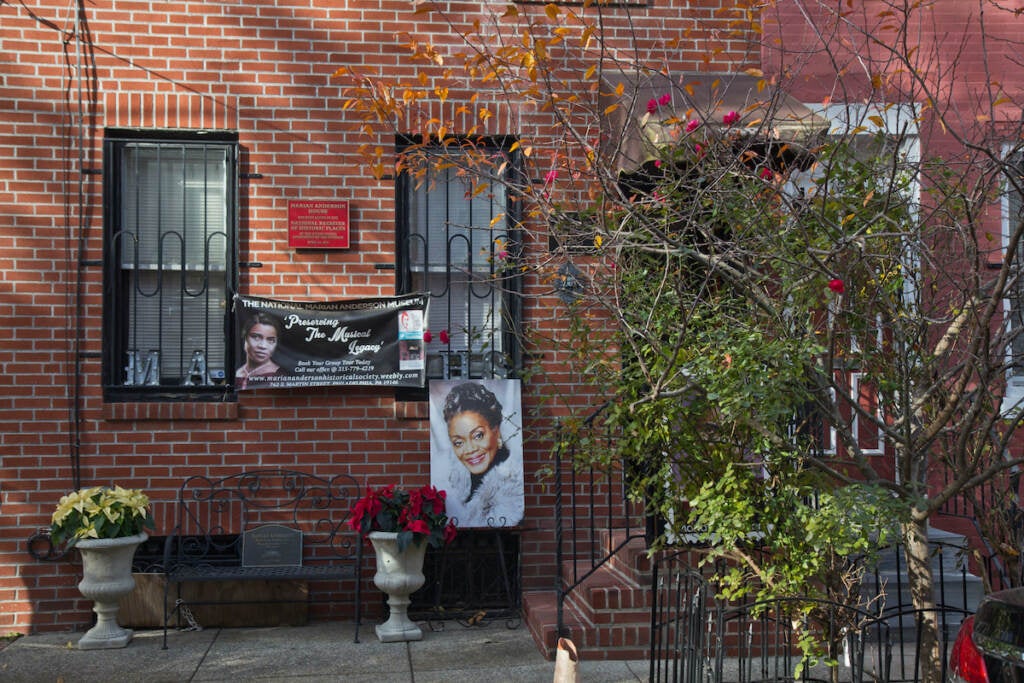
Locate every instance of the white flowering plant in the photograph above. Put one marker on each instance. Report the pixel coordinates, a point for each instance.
(100, 512)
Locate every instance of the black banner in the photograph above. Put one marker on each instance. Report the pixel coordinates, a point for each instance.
(362, 342)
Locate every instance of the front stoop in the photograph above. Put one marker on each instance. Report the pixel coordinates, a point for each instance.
(540, 614)
(632, 561)
(608, 617)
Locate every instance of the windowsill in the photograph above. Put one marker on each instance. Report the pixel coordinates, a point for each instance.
(1013, 398)
(1012, 406)
(183, 410)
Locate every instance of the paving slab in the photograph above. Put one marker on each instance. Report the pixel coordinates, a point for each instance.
(459, 647)
(53, 658)
(497, 654)
(589, 672)
(323, 651)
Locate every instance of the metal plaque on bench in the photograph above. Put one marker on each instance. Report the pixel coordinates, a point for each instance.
(272, 545)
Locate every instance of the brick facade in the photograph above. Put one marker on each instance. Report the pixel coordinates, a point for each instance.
(265, 70)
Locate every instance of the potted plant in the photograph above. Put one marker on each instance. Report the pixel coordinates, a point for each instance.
(106, 525)
(401, 524)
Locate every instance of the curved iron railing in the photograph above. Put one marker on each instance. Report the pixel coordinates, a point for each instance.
(594, 518)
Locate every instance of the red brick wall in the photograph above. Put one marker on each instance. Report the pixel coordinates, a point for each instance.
(263, 68)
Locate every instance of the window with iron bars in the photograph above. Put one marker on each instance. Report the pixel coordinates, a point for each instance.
(170, 212)
(458, 239)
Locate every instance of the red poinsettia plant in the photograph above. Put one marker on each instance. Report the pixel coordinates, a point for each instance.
(415, 515)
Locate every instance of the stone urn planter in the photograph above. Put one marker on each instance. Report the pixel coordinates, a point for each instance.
(106, 578)
(399, 575)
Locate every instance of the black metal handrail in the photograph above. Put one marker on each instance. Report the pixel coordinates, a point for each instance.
(598, 520)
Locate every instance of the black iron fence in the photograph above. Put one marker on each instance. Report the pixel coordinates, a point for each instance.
(696, 637)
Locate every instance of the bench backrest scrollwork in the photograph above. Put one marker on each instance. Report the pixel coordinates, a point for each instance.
(212, 514)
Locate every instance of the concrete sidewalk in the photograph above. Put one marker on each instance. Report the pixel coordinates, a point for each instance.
(317, 652)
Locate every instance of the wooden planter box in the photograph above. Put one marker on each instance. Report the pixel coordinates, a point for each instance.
(143, 608)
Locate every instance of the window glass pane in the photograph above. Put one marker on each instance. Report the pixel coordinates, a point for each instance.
(178, 318)
(471, 316)
(174, 206)
(449, 225)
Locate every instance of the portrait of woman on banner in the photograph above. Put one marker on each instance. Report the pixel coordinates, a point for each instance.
(261, 333)
(476, 450)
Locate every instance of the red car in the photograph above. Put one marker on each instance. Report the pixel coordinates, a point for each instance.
(990, 645)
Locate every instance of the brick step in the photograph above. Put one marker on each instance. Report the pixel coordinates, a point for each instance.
(540, 614)
(607, 595)
(632, 560)
(620, 638)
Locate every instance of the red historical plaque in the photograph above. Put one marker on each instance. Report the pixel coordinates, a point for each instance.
(318, 224)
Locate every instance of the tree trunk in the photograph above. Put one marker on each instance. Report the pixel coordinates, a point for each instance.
(919, 578)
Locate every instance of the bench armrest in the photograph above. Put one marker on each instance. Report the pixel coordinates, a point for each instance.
(170, 560)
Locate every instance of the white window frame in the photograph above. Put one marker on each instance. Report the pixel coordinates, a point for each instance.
(870, 119)
(1013, 398)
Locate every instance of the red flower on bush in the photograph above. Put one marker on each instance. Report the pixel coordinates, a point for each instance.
(664, 100)
(427, 337)
(444, 337)
(414, 515)
(836, 285)
(730, 118)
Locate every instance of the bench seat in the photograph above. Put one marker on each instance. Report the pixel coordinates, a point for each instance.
(296, 521)
(219, 573)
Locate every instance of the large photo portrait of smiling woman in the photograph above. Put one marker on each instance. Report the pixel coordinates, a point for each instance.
(476, 450)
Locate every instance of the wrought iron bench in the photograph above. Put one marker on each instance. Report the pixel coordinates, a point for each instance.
(264, 524)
